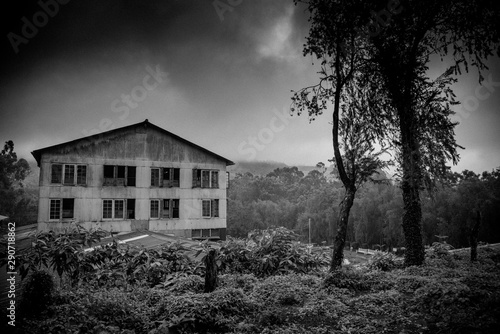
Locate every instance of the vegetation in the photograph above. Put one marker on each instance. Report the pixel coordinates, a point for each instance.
(129, 290)
(17, 202)
(289, 198)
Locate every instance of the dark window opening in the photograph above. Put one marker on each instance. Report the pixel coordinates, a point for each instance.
(131, 173)
(165, 177)
(131, 208)
(68, 207)
(175, 208)
(119, 175)
(109, 172)
(121, 172)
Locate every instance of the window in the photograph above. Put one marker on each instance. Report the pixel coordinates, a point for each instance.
(107, 209)
(165, 177)
(155, 208)
(166, 208)
(213, 233)
(205, 208)
(55, 209)
(214, 180)
(205, 178)
(215, 208)
(119, 208)
(131, 172)
(119, 175)
(62, 208)
(113, 208)
(67, 174)
(155, 177)
(175, 208)
(68, 208)
(131, 207)
(56, 174)
(210, 208)
(81, 174)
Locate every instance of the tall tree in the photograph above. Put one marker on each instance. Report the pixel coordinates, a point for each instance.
(334, 40)
(392, 43)
(401, 53)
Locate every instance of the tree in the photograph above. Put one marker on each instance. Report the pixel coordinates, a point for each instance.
(394, 47)
(354, 130)
(12, 173)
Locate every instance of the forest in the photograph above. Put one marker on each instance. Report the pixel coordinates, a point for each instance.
(289, 198)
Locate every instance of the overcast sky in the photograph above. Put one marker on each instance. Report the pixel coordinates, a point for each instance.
(221, 79)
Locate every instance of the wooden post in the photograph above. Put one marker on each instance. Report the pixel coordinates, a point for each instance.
(211, 271)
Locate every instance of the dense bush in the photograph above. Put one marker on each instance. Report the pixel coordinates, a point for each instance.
(385, 261)
(459, 297)
(200, 313)
(269, 252)
(345, 278)
(37, 293)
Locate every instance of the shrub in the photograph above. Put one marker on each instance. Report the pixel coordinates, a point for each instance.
(215, 311)
(180, 284)
(245, 282)
(285, 290)
(345, 278)
(37, 293)
(385, 261)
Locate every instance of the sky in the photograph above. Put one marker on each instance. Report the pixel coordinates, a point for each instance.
(217, 73)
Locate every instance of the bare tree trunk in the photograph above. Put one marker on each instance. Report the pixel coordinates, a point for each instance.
(210, 271)
(474, 232)
(339, 242)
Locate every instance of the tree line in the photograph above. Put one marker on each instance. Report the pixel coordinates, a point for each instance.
(289, 198)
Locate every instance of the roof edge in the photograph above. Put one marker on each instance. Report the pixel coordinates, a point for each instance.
(37, 154)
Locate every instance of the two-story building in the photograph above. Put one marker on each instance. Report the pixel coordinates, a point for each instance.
(138, 177)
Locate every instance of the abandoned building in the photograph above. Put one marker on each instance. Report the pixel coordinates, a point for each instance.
(138, 177)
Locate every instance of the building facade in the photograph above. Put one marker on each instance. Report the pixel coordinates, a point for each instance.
(139, 177)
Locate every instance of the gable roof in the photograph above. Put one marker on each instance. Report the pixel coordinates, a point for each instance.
(37, 154)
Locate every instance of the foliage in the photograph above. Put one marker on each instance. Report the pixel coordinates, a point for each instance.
(216, 311)
(462, 298)
(37, 293)
(16, 202)
(375, 217)
(385, 261)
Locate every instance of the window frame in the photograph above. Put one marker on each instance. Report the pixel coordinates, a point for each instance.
(172, 181)
(124, 171)
(169, 211)
(201, 233)
(113, 209)
(206, 178)
(64, 177)
(61, 207)
(158, 209)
